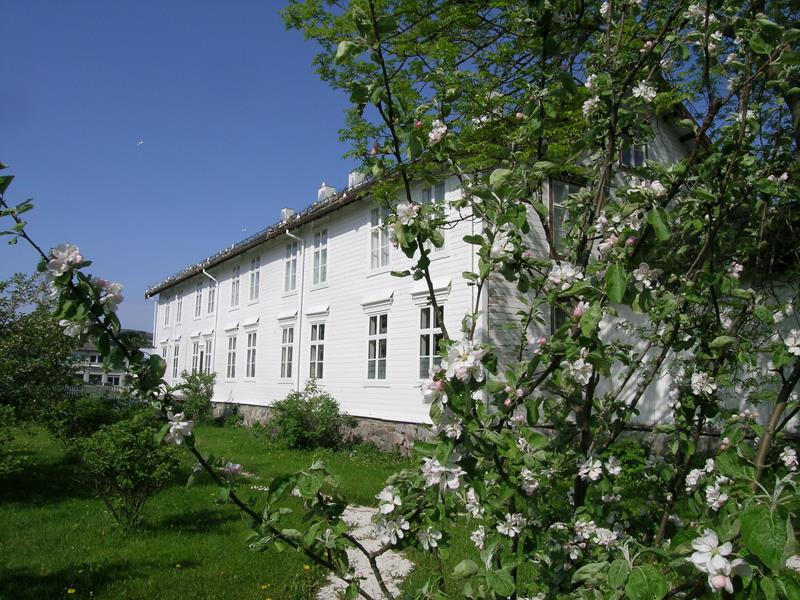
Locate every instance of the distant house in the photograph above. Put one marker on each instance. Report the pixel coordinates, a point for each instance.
(89, 369)
(313, 296)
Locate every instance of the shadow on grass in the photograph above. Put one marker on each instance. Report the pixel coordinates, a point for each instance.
(75, 581)
(39, 484)
(199, 521)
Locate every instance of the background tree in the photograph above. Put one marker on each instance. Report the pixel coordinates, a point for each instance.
(36, 357)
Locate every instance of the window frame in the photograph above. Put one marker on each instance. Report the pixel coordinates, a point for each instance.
(212, 298)
(316, 350)
(179, 308)
(230, 357)
(556, 244)
(632, 147)
(320, 263)
(250, 355)
(195, 355)
(198, 300)
(235, 275)
(255, 278)
(287, 351)
(176, 350)
(206, 368)
(380, 249)
(430, 333)
(290, 267)
(375, 336)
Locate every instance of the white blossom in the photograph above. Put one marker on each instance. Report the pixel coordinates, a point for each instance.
(433, 389)
(529, 482)
(715, 497)
(735, 270)
(792, 342)
(692, 480)
(512, 526)
(178, 428)
(584, 530)
(501, 246)
(429, 538)
(793, 563)
(446, 477)
(464, 361)
(644, 91)
(112, 296)
(591, 469)
(604, 537)
(74, 328)
(643, 275)
(579, 371)
(390, 531)
(472, 504)
(590, 104)
(591, 82)
(407, 212)
(563, 275)
(438, 131)
(604, 9)
(478, 537)
(613, 466)
(703, 383)
(389, 500)
(63, 258)
(711, 558)
(789, 458)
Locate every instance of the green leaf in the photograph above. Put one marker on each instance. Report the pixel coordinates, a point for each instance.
(616, 281)
(646, 583)
(764, 534)
(768, 587)
(476, 240)
(590, 319)
(345, 50)
(499, 177)
(618, 573)
(464, 569)
(590, 572)
(759, 45)
(500, 583)
(5, 181)
(721, 341)
(657, 217)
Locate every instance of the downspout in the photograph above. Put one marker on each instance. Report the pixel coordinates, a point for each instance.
(216, 315)
(299, 303)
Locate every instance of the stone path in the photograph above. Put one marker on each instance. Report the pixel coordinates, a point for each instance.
(393, 565)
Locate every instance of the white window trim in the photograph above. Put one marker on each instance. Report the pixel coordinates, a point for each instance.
(375, 381)
(323, 342)
(420, 295)
(284, 326)
(318, 229)
(290, 259)
(428, 331)
(254, 281)
(228, 338)
(382, 234)
(248, 349)
(381, 302)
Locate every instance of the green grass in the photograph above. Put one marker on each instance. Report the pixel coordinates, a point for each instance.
(55, 537)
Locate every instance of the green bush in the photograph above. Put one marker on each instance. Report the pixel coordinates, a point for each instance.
(309, 419)
(125, 464)
(7, 421)
(74, 418)
(195, 394)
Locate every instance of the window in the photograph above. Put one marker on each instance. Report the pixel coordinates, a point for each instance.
(287, 349)
(198, 300)
(379, 239)
(235, 286)
(164, 351)
(94, 358)
(207, 357)
(255, 278)
(195, 356)
(179, 309)
(166, 312)
(559, 191)
(175, 352)
(557, 318)
(320, 256)
(290, 268)
(212, 296)
(317, 349)
(95, 379)
(112, 380)
(430, 336)
(434, 194)
(250, 363)
(231, 372)
(376, 346)
(633, 155)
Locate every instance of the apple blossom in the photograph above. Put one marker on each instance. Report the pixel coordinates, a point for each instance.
(178, 428)
(74, 328)
(715, 497)
(590, 104)
(590, 469)
(792, 342)
(446, 477)
(613, 466)
(502, 245)
(644, 91)
(389, 500)
(579, 370)
(478, 537)
(112, 296)
(563, 275)
(63, 258)
(464, 361)
(789, 458)
(433, 389)
(407, 212)
(703, 383)
(793, 563)
(529, 482)
(438, 131)
(512, 526)
(231, 468)
(579, 309)
(391, 531)
(429, 538)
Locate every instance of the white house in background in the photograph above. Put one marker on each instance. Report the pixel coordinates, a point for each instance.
(313, 296)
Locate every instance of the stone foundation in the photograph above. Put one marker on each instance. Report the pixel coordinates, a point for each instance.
(389, 436)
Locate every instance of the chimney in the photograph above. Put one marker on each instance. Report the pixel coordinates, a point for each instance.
(355, 178)
(286, 214)
(325, 192)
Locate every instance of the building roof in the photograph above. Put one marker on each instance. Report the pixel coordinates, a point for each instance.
(315, 211)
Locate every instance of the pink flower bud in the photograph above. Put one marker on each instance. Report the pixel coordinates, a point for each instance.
(520, 393)
(374, 150)
(507, 402)
(509, 389)
(520, 115)
(438, 385)
(418, 124)
(718, 582)
(631, 241)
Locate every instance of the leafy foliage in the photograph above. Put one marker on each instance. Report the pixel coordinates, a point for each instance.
(195, 394)
(77, 417)
(125, 464)
(309, 419)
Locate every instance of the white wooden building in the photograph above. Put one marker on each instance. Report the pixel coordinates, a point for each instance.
(313, 295)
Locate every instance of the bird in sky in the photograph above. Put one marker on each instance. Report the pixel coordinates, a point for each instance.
(139, 143)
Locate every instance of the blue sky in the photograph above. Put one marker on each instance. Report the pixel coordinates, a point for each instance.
(234, 122)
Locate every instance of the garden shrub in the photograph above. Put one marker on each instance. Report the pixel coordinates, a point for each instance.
(7, 421)
(309, 419)
(125, 464)
(194, 399)
(74, 418)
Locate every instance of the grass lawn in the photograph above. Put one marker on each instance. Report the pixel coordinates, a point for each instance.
(56, 541)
